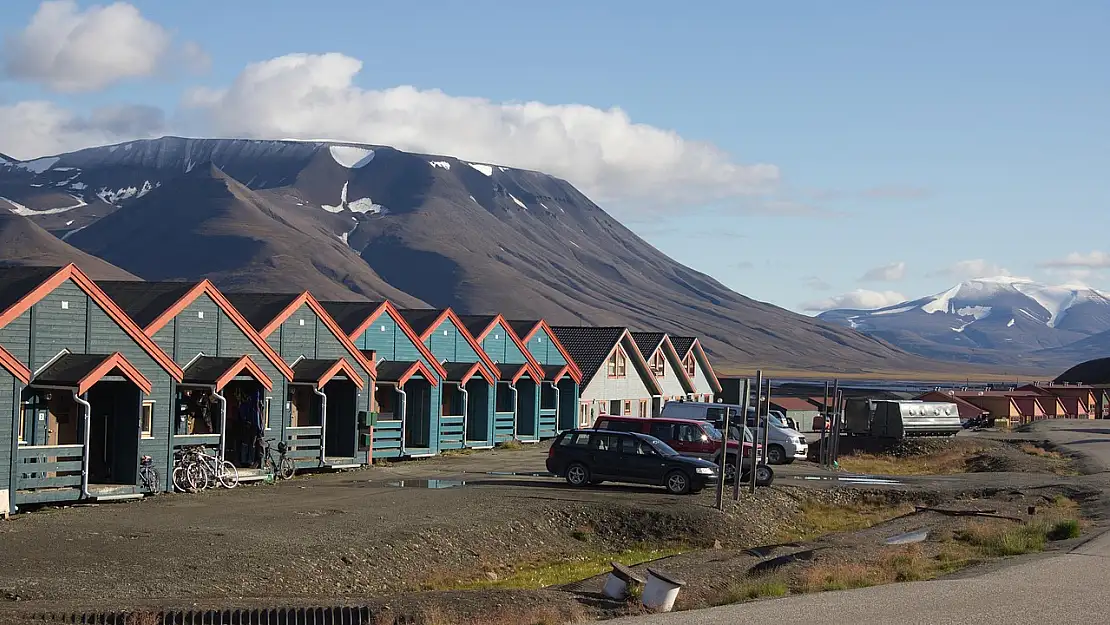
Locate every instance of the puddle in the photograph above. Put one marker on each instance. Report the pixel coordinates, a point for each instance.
(908, 538)
(519, 473)
(434, 484)
(848, 479)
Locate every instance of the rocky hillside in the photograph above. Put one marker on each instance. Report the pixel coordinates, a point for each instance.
(22, 242)
(358, 220)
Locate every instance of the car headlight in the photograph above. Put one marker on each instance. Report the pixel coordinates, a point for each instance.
(706, 470)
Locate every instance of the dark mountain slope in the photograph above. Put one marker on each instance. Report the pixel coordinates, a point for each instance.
(23, 243)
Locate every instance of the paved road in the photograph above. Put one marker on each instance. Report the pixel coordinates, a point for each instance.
(1067, 588)
(1063, 588)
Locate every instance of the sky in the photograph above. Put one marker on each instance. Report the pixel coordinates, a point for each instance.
(809, 154)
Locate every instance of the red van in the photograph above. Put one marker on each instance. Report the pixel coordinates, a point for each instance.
(692, 438)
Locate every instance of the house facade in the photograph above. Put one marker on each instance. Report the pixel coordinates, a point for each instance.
(668, 369)
(697, 367)
(561, 376)
(517, 408)
(616, 378)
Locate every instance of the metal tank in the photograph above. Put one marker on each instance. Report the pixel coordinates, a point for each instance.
(901, 418)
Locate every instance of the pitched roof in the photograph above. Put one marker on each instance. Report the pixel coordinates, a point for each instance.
(220, 370)
(319, 371)
(554, 373)
(464, 371)
(261, 308)
(648, 342)
(522, 327)
(145, 301)
(966, 409)
(399, 371)
(476, 324)
(682, 344)
(589, 346)
(532, 327)
(420, 319)
(82, 371)
(350, 315)
(12, 364)
(18, 282)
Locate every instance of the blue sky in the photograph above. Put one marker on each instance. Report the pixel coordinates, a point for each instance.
(939, 140)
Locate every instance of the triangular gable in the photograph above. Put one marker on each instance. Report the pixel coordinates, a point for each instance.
(205, 287)
(326, 372)
(449, 315)
(225, 373)
(89, 370)
(499, 322)
(703, 360)
(671, 354)
(16, 368)
(541, 325)
(96, 294)
(389, 309)
(417, 366)
(306, 298)
(469, 371)
(632, 354)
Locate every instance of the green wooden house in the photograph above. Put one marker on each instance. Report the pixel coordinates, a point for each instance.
(231, 376)
(98, 397)
(470, 386)
(561, 376)
(325, 413)
(517, 400)
(14, 375)
(407, 397)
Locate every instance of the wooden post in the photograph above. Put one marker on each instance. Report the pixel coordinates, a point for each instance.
(755, 439)
(745, 401)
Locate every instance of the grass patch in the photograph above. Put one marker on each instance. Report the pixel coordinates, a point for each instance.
(505, 615)
(946, 462)
(996, 539)
(1059, 463)
(749, 589)
(1065, 530)
(818, 519)
(512, 445)
(564, 570)
(449, 453)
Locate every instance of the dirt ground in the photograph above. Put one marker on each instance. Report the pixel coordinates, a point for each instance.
(385, 533)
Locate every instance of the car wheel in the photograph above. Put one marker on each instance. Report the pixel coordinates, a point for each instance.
(776, 454)
(677, 482)
(578, 474)
(730, 468)
(764, 476)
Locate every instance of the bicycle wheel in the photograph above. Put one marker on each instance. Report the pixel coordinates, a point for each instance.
(229, 475)
(149, 478)
(183, 480)
(288, 468)
(269, 466)
(201, 475)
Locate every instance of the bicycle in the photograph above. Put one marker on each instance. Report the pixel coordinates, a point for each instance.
(283, 466)
(207, 470)
(148, 476)
(186, 477)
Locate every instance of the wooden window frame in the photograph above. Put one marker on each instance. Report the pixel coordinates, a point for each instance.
(643, 408)
(690, 366)
(22, 436)
(617, 366)
(627, 408)
(266, 413)
(658, 364)
(146, 428)
(603, 409)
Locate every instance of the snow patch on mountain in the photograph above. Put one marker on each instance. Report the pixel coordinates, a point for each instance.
(25, 211)
(486, 170)
(350, 156)
(518, 202)
(440, 164)
(365, 206)
(39, 165)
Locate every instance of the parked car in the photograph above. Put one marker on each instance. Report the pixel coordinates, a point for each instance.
(784, 444)
(594, 456)
(698, 439)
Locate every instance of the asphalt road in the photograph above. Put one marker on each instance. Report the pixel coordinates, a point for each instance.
(1062, 588)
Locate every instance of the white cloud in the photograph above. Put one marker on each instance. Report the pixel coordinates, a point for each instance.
(857, 299)
(974, 268)
(35, 128)
(886, 273)
(69, 50)
(603, 152)
(1076, 260)
(816, 283)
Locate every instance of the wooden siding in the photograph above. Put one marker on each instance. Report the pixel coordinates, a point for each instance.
(447, 342)
(16, 337)
(701, 381)
(196, 331)
(9, 409)
(670, 383)
(59, 321)
(543, 349)
(233, 342)
(500, 348)
(329, 346)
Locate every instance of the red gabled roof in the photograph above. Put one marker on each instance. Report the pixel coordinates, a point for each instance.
(246, 363)
(340, 366)
(575, 372)
(205, 287)
(16, 368)
(536, 369)
(307, 298)
(461, 327)
(391, 310)
(110, 364)
(95, 293)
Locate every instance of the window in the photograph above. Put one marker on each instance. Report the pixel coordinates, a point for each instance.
(688, 364)
(266, 414)
(147, 419)
(631, 446)
(663, 431)
(658, 364)
(627, 407)
(605, 442)
(603, 408)
(643, 407)
(615, 406)
(23, 423)
(581, 439)
(584, 414)
(618, 364)
(689, 433)
(620, 426)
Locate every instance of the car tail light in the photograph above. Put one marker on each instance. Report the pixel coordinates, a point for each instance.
(551, 451)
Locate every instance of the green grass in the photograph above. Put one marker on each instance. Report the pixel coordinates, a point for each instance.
(564, 571)
(818, 519)
(1064, 530)
(513, 445)
(997, 541)
(749, 589)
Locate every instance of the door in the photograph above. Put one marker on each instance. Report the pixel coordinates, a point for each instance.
(692, 441)
(639, 462)
(604, 456)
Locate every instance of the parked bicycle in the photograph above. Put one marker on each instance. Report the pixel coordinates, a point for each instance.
(148, 476)
(212, 471)
(276, 462)
(186, 477)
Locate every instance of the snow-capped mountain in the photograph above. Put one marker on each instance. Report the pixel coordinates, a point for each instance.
(986, 319)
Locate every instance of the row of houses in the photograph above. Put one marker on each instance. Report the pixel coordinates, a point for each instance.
(1028, 403)
(94, 375)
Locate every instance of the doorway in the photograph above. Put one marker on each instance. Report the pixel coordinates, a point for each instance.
(418, 414)
(342, 422)
(246, 422)
(527, 419)
(114, 429)
(477, 411)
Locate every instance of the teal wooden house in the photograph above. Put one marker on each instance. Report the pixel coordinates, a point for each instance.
(325, 413)
(561, 376)
(233, 382)
(470, 386)
(85, 393)
(407, 401)
(517, 400)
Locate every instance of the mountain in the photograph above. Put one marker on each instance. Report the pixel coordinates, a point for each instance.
(24, 243)
(987, 320)
(349, 220)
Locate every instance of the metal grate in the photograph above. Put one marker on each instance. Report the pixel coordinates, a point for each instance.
(341, 615)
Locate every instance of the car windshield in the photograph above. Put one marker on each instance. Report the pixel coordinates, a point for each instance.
(659, 446)
(713, 433)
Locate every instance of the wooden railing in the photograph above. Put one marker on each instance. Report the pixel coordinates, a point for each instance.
(207, 441)
(54, 468)
(387, 438)
(503, 426)
(451, 432)
(548, 425)
(303, 445)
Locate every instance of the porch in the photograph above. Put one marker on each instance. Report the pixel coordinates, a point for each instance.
(524, 388)
(466, 418)
(82, 417)
(403, 397)
(324, 423)
(552, 412)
